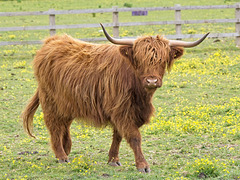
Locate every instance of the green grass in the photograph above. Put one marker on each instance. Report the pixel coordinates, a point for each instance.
(194, 134)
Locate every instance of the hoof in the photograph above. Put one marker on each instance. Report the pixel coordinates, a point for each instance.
(63, 161)
(144, 170)
(115, 163)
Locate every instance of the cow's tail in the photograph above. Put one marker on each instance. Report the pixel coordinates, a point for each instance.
(28, 113)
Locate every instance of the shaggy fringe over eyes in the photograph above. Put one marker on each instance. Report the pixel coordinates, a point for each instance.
(151, 51)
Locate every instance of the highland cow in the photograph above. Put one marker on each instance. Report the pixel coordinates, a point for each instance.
(103, 84)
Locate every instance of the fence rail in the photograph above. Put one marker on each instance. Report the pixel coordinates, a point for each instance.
(52, 27)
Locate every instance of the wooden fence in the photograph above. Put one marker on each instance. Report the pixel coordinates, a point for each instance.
(52, 27)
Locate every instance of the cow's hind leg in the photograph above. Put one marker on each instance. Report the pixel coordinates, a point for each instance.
(114, 150)
(57, 128)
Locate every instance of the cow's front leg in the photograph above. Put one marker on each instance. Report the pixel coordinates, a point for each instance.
(134, 139)
(114, 150)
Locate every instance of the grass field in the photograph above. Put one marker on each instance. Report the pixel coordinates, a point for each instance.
(194, 134)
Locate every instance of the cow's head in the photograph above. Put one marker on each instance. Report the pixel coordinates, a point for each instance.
(151, 56)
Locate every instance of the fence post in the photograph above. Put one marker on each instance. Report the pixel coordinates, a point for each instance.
(178, 18)
(237, 26)
(52, 23)
(115, 22)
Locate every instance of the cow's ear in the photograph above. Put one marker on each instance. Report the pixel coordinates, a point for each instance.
(176, 52)
(127, 51)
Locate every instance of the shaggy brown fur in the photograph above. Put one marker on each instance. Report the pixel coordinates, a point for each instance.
(101, 84)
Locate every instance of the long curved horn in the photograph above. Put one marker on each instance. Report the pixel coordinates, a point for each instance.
(117, 41)
(187, 44)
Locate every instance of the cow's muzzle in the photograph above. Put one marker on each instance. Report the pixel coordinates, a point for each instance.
(152, 82)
